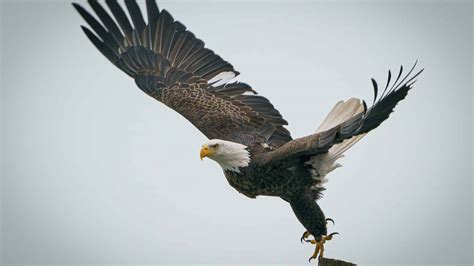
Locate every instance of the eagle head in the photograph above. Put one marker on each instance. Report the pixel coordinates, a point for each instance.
(229, 155)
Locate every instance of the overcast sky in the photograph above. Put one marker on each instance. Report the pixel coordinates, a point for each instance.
(95, 171)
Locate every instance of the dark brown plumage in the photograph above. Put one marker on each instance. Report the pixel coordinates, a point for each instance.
(171, 65)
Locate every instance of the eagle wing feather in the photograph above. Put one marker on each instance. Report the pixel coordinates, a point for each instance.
(334, 131)
(173, 66)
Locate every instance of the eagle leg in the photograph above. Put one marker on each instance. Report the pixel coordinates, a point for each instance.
(312, 218)
(319, 249)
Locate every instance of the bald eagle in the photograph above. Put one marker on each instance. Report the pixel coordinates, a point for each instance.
(248, 137)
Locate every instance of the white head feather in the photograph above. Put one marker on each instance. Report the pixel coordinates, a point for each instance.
(230, 155)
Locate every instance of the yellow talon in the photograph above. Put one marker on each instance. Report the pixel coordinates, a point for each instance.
(319, 250)
(306, 234)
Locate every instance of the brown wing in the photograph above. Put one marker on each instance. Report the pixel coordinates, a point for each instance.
(171, 65)
(302, 148)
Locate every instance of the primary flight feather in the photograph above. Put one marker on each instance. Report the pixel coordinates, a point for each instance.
(247, 134)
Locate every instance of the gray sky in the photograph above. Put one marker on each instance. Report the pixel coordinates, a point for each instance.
(94, 171)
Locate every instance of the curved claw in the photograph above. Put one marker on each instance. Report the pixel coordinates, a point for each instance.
(330, 220)
(319, 242)
(305, 235)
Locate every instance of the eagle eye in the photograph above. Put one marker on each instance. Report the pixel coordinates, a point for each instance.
(215, 146)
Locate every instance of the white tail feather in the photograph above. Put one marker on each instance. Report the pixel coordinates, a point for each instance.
(340, 113)
(325, 163)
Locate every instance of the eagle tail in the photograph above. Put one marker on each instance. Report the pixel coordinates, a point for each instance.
(326, 162)
(342, 111)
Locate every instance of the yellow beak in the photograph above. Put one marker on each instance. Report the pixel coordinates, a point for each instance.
(205, 152)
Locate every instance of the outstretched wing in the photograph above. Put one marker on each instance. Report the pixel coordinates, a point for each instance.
(358, 124)
(171, 65)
